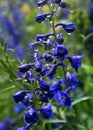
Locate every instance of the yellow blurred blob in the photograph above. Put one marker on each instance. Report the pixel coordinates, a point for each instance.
(46, 9)
(26, 9)
(58, 29)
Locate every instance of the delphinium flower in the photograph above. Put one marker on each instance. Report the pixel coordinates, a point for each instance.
(7, 124)
(12, 27)
(41, 74)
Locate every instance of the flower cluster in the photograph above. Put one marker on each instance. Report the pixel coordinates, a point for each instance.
(41, 74)
(7, 123)
(11, 26)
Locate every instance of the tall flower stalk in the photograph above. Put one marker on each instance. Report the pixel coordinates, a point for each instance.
(45, 84)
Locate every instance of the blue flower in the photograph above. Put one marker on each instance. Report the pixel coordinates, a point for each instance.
(29, 77)
(7, 124)
(19, 108)
(19, 96)
(90, 10)
(52, 73)
(75, 62)
(24, 68)
(42, 3)
(9, 25)
(46, 97)
(46, 112)
(43, 37)
(71, 81)
(55, 86)
(63, 98)
(68, 27)
(4, 126)
(60, 51)
(91, 29)
(28, 99)
(60, 38)
(57, 1)
(63, 5)
(17, 17)
(44, 86)
(91, 1)
(41, 17)
(58, 97)
(19, 52)
(38, 66)
(48, 57)
(66, 99)
(31, 116)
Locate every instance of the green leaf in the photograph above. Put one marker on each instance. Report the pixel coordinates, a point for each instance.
(55, 121)
(6, 89)
(81, 100)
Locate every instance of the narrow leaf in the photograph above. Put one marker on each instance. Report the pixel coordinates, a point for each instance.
(81, 100)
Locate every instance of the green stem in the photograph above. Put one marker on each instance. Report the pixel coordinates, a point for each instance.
(53, 20)
(64, 72)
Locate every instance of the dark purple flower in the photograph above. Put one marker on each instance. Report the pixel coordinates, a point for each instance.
(63, 5)
(27, 101)
(46, 112)
(42, 3)
(57, 1)
(29, 77)
(41, 17)
(68, 27)
(24, 68)
(44, 86)
(43, 37)
(31, 116)
(19, 96)
(46, 97)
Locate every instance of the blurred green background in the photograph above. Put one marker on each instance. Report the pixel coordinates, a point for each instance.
(80, 42)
